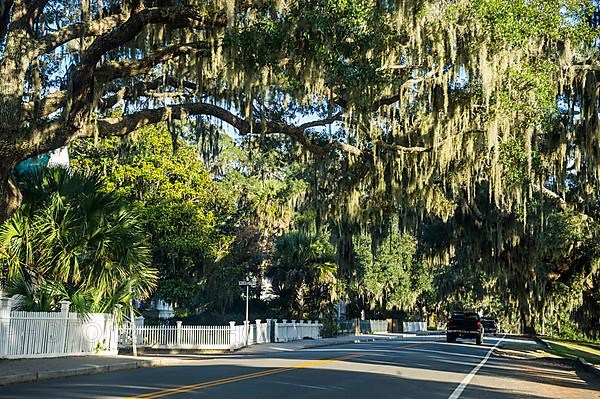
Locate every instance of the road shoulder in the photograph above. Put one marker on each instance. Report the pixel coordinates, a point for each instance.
(31, 370)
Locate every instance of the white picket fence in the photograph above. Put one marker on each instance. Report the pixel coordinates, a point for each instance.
(365, 326)
(180, 337)
(201, 337)
(295, 330)
(230, 336)
(53, 334)
(414, 326)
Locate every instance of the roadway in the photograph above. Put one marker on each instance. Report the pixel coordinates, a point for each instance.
(410, 368)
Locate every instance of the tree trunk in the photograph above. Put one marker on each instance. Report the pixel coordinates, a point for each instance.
(10, 195)
(543, 320)
(15, 60)
(527, 322)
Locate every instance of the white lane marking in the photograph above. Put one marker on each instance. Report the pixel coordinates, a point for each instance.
(459, 389)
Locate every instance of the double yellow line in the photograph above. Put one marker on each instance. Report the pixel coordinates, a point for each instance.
(196, 387)
(213, 383)
(406, 346)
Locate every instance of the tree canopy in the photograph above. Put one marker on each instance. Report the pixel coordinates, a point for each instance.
(424, 94)
(477, 116)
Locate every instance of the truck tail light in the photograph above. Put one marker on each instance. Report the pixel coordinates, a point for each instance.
(478, 324)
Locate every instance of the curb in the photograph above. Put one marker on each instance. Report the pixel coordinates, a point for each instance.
(78, 371)
(589, 366)
(582, 362)
(542, 342)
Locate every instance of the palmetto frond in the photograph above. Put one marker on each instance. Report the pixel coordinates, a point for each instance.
(87, 243)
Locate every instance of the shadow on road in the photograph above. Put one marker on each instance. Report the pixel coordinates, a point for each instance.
(379, 370)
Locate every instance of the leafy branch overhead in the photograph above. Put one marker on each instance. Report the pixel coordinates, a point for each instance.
(415, 87)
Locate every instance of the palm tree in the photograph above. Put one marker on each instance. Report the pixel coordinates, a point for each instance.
(304, 275)
(86, 243)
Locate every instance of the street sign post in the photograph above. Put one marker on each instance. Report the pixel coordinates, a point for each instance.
(247, 283)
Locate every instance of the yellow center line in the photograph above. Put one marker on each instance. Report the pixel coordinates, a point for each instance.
(208, 384)
(412, 344)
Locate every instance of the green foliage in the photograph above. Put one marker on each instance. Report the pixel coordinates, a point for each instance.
(572, 258)
(394, 278)
(329, 328)
(515, 163)
(73, 240)
(561, 304)
(338, 36)
(455, 77)
(184, 209)
(567, 234)
(531, 92)
(304, 275)
(515, 22)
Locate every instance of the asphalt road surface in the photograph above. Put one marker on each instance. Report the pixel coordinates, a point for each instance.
(381, 369)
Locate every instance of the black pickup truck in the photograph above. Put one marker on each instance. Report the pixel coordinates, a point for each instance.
(490, 326)
(464, 325)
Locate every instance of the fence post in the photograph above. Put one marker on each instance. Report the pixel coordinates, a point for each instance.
(317, 329)
(232, 335)
(5, 306)
(275, 331)
(178, 332)
(268, 331)
(246, 332)
(305, 329)
(319, 326)
(64, 316)
(285, 330)
(259, 332)
(64, 306)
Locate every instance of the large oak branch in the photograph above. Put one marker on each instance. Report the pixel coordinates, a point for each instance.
(125, 125)
(131, 68)
(142, 89)
(83, 77)
(74, 31)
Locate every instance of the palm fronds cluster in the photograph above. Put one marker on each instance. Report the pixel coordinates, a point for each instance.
(73, 240)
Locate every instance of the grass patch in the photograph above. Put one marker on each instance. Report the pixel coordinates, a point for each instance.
(523, 351)
(574, 349)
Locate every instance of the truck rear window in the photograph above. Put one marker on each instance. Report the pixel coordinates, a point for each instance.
(465, 316)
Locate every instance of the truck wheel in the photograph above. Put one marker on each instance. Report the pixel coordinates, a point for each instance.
(479, 340)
